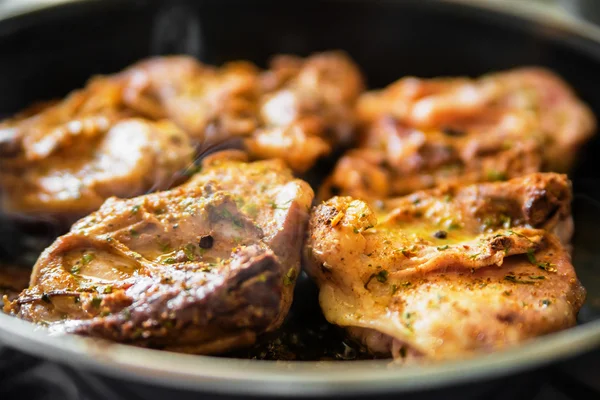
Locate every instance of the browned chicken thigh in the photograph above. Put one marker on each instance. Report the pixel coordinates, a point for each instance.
(202, 268)
(450, 272)
(420, 133)
(298, 110)
(132, 132)
(126, 159)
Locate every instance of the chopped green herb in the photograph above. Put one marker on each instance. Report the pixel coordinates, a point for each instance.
(135, 209)
(75, 269)
(356, 230)
(107, 289)
(531, 256)
(493, 175)
(453, 225)
(444, 247)
(134, 233)
(546, 302)
(406, 252)
(96, 301)
(511, 232)
(170, 260)
(46, 298)
(290, 277)
(87, 258)
(546, 266)
(190, 251)
(514, 279)
(394, 289)
(126, 313)
(276, 206)
(382, 276)
(537, 277)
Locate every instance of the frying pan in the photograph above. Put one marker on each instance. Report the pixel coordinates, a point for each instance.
(49, 51)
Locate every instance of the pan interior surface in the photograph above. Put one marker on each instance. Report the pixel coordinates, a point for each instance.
(49, 52)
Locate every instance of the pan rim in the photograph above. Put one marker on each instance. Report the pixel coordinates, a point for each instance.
(301, 378)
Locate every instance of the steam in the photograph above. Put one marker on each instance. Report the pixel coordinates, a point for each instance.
(177, 31)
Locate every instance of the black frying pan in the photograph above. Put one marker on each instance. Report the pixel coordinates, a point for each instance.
(46, 53)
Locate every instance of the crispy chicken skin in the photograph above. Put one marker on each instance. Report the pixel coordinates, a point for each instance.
(202, 268)
(419, 133)
(450, 272)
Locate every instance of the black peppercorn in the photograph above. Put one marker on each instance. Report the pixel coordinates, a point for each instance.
(206, 242)
(440, 234)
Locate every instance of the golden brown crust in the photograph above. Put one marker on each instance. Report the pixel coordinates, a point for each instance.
(204, 266)
(448, 272)
(57, 159)
(420, 133)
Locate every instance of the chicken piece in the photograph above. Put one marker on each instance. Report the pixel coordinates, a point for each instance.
(420, 133)
(63, 159)
(307, 109)
(48, 127)
(202, 268)
(299, 110)
(211, 104)
(132, 157)
(450, 272)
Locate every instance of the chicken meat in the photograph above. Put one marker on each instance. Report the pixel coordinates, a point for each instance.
(419, 133)
(133, 132)
(298, 110)
(450, 272)
(68, 177)
(202, 268)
